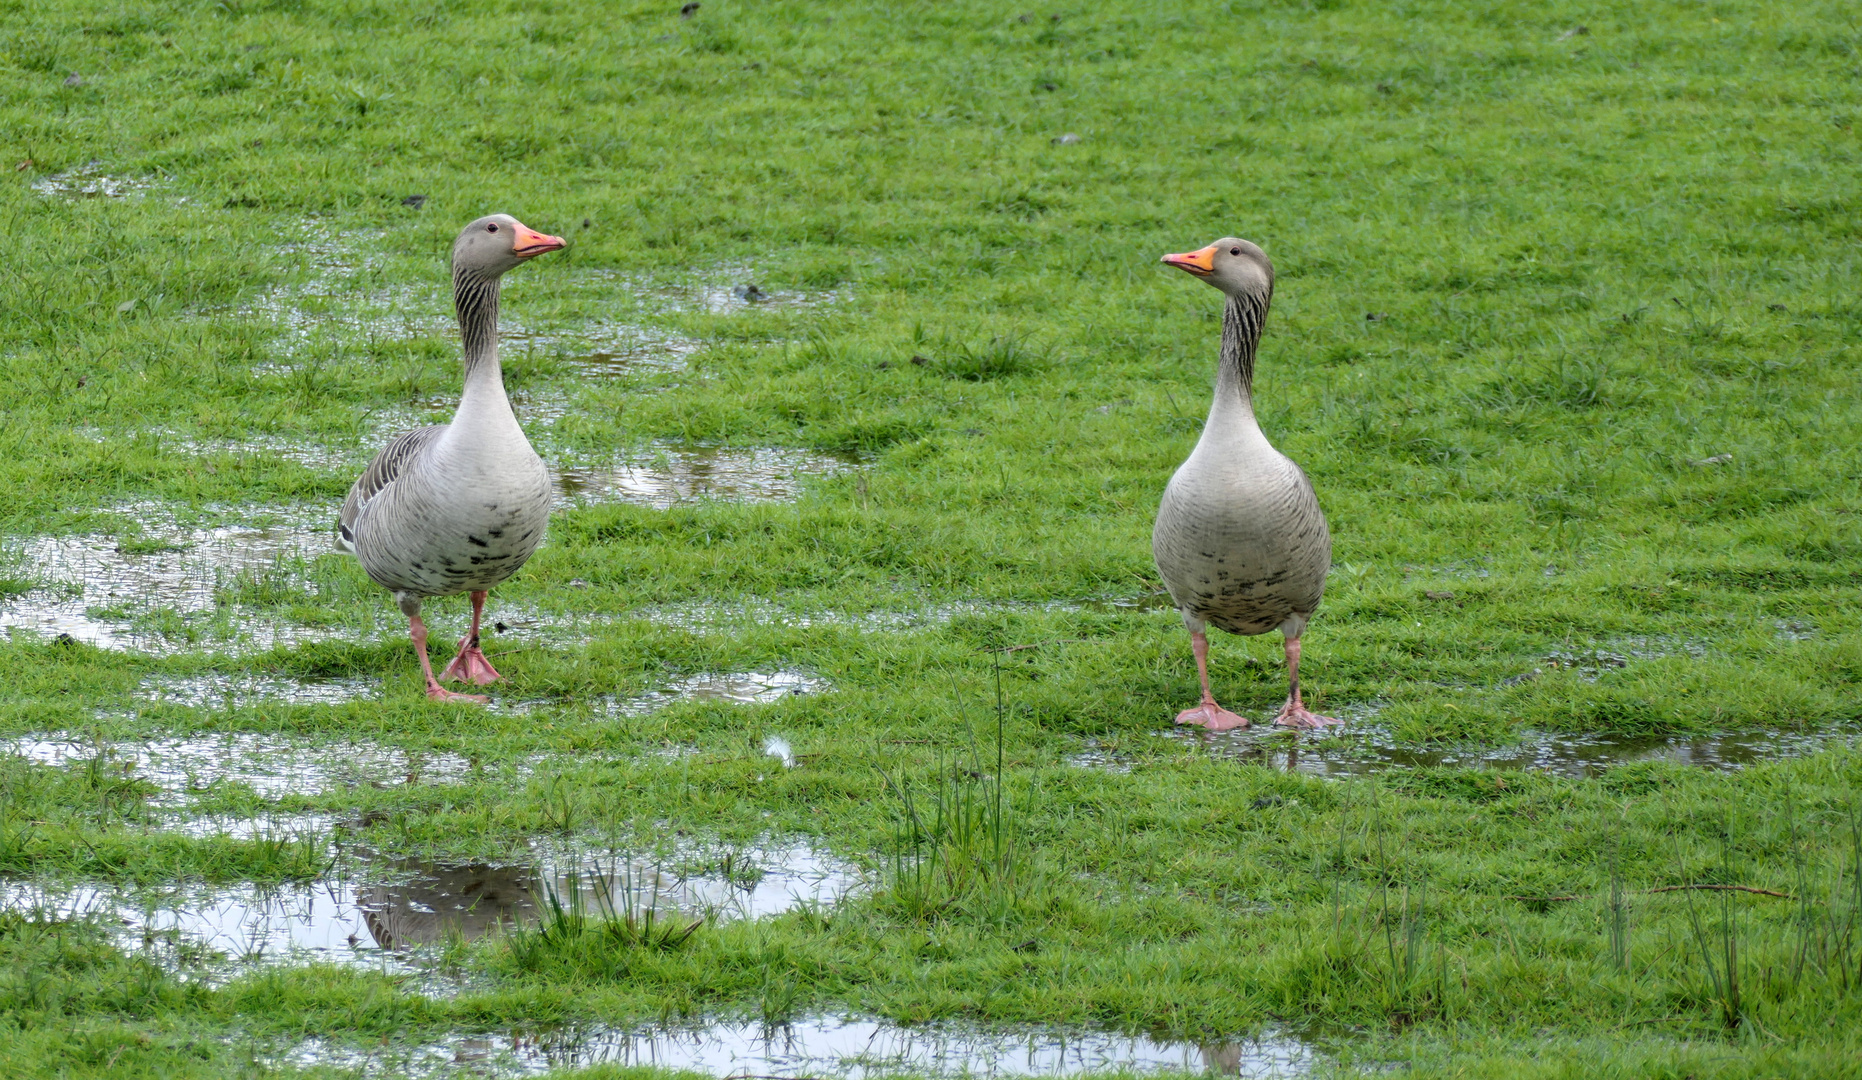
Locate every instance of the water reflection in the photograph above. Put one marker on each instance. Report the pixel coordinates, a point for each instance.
(273, 767)
(844, 1048)
(1576, 755)
(608, 350)
(269, 764)
(386, 909)
(737, 688)
(678, 473)
(88, 181)
(97, 588)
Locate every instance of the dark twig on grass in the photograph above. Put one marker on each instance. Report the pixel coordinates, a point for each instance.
(1664, 888)
(1654, 1020)
(1035, 645)
(1721, 888)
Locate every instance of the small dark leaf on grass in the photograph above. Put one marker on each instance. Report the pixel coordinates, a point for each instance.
(415, 201)
(1776, 307)
(884, 364)
(689, 10)
(500, 627)
(921, 361)
(1520, 679)
(1375, 316)
(1048, 86)
(1266, 801)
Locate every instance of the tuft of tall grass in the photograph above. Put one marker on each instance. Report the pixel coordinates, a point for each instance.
(1002, 357)
(956, 846)
(1618, 920)
(599, 932)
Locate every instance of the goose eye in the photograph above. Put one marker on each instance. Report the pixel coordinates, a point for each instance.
(1234, 251)
(493, 227)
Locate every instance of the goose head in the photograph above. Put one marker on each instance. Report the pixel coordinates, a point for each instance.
(1237, 267)
(494, 244)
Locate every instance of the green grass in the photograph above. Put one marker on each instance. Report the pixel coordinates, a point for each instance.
(1599, 262)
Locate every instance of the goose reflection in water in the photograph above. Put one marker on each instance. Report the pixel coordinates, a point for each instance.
(437, 902)
(464, 901)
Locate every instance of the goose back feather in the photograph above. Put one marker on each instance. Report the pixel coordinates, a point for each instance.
(380, 473)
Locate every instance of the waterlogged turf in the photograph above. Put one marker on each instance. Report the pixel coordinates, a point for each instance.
(861, 382)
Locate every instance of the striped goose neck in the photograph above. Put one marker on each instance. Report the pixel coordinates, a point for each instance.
(1242, 320)
(475, 297)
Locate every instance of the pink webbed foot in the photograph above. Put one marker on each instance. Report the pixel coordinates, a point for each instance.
(1212, 716)
(436, 692)
(470, 666)
(1295, 715)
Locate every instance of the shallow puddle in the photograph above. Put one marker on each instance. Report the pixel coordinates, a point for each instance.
(103, 589)
(1594, 662)
(711, 614)
(606, 351)
(385, 909)
(1349, 753)
(741, 688)
(342, 456)
(1130, 605)
(1467, 569)
(238, 691)
(670, 474)
(843, 1048)
(1095, 755)
(89, 181)
(339, 298)
(271, 766)
(262, 826)
(730, 290)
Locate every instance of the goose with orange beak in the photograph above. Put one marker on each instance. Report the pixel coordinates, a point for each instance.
(458, 507)
(1240, 540)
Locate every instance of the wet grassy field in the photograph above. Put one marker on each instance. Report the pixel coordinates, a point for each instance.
(836, 730)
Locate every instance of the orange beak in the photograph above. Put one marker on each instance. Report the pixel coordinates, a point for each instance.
(1200, 262)
(528, 243)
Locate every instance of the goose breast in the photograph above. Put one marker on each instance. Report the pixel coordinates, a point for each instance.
(452, 527)
(1240, 541)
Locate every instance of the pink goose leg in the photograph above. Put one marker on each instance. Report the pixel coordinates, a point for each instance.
(1208, 714)
(418, 631)
(470, 665)
(1294, 713)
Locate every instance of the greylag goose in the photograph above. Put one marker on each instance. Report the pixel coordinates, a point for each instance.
(1240, 540)
(457, 507)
